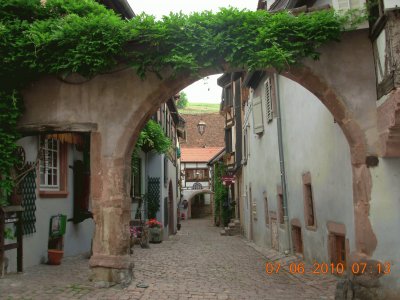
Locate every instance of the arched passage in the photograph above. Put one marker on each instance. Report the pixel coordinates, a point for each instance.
(190, 195)
(113, 107)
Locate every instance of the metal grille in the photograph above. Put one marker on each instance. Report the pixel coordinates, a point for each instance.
(197, 186)
(153, 191)
(28, 187)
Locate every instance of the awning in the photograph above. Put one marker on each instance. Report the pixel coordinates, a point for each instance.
(70, 138)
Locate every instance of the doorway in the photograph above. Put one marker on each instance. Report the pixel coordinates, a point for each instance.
(171, 209)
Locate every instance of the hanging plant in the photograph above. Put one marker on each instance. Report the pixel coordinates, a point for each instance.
(152, 137)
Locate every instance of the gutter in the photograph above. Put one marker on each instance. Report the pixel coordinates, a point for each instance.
(282, 163)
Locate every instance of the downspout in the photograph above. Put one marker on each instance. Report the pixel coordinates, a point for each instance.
(282, 162)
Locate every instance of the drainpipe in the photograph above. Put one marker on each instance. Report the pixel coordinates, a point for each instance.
(282, 162)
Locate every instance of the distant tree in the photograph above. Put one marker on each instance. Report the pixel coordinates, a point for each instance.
(183, 100)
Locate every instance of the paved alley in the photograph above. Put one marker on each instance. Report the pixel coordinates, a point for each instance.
(197, 263)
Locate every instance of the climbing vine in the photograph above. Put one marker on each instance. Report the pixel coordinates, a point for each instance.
(61, 37)
(222, 209)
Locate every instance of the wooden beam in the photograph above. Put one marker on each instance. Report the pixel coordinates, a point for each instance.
(56, 127)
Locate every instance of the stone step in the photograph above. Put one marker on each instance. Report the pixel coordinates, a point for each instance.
(231, 225)
(234, 233)
(237, 222)
(223, 232)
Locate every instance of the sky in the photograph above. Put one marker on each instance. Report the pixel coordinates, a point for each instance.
(204, 90)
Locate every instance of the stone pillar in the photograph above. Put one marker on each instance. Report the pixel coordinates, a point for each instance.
(111, 261)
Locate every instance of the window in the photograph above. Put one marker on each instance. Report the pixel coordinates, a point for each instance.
(228, 140)
(137, 180)
(280, 207)
(266, 209)
(165, 169)
(53, 168)
(258, 127)
(50, 165)
(309, 210)
(244, 145)
(228, 96)
(268, 99)
(196, 175)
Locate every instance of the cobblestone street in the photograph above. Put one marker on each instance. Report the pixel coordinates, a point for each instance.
(197, 263)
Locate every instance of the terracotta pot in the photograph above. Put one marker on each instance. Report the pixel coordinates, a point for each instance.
(55, 256)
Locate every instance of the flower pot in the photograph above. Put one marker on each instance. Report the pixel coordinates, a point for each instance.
(155, 234)
(54, 256)
(178, 226)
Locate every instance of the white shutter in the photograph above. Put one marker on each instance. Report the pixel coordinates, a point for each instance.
(257, 116)
(268, 99)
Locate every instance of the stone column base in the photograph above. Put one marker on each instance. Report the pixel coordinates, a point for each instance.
(108, 270)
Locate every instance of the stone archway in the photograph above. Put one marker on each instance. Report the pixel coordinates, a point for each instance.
(189, 195)
(114, 106)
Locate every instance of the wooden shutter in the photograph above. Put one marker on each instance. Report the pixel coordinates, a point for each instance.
(268, 99)
(257, 116)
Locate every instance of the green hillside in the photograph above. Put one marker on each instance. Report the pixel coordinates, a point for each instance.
(200, 108)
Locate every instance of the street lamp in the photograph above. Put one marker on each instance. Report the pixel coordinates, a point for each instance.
(201, 127)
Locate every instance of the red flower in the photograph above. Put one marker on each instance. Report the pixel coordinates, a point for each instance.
(153, 223)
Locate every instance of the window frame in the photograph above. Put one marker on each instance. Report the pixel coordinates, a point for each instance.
(47, 164)
(266, 209)
(308, 196)
(62, 172)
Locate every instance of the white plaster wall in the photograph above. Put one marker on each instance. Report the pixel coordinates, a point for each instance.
(314, 143)
(262, 174)
(172, 177)
(155, 168)
(384, 216)
(77, 239)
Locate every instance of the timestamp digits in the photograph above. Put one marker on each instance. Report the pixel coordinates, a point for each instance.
(356, 268)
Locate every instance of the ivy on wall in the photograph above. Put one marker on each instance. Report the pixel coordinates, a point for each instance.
(222, 210)
(61, 37)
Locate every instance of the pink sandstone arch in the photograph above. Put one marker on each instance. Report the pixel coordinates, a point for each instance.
(114, 106)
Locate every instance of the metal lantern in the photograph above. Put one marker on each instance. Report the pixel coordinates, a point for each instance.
(201, 127)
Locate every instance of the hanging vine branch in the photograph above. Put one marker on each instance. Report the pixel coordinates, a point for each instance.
(61, 37)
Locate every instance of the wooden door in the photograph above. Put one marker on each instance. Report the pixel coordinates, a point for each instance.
(340, 249)
(171, 209)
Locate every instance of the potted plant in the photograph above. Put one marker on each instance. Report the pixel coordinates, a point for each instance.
(155, 229)
(54, 256)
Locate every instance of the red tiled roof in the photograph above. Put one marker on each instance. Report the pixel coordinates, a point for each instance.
(199, 154)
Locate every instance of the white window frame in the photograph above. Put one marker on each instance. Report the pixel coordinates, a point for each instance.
(44, 169)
